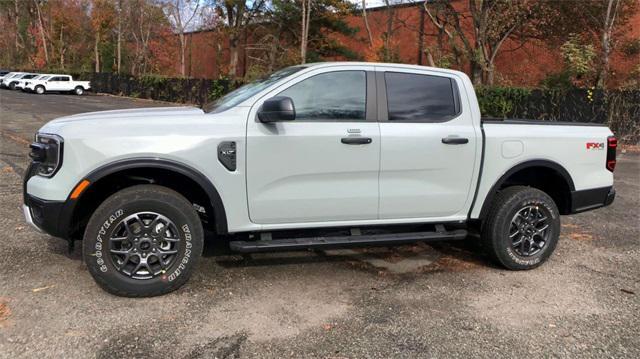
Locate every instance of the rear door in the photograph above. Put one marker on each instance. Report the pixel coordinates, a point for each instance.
(65, 83)
(429, 145)
(307, 170)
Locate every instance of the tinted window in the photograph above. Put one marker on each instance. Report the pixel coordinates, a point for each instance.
(339, 95)
(419, 98)
(63, 78)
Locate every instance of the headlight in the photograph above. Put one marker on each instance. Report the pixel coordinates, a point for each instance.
(47, 153)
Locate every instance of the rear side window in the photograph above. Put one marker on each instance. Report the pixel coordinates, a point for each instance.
(420, 98)
(332, 96)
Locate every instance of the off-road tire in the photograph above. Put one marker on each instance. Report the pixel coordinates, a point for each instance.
(39, 90)
(105, 221)
(79, 90)
(496, 227)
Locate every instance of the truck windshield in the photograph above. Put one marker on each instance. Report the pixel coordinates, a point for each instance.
(245, 91)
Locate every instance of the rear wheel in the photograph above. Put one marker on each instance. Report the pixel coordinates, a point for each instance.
(78, 90)
(143, 241)
(40, 90)
(522, 228)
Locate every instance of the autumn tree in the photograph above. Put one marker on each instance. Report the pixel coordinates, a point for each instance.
(182, 14)
(103, 19)
(492, 23)
(233, 17)
(604, 22)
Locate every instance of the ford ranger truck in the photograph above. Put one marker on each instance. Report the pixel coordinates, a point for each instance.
(312, 157)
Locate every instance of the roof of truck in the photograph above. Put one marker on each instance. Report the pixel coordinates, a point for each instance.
(385, 64)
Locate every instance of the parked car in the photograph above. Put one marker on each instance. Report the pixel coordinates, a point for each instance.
(3, 73)
(19, 84)
(29, 84)
(9, 78)
(59, 83)
(314, 156)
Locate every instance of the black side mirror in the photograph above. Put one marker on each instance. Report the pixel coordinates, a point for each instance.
(279, 108)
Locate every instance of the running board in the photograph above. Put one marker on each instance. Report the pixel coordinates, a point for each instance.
(292, 244)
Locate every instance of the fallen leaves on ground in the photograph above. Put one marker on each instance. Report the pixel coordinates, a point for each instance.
(453, 264)
(5, 312)
(579, 236)
(630, 148)
(575, 232)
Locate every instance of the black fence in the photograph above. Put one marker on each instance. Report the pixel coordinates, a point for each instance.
(619, 109)
(187, 90)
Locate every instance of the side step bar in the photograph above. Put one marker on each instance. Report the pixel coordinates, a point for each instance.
(293, 244)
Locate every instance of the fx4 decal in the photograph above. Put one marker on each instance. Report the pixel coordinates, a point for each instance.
(595, 145)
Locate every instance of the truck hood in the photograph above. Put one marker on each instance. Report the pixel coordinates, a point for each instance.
(133, 114)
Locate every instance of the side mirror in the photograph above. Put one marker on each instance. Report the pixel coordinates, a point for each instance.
(275, 109)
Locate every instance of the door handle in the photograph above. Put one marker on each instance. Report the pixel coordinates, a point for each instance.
(356, 140)
(455, 140)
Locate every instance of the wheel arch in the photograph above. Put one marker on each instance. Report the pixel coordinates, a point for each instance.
(548, 176)
(114, 176)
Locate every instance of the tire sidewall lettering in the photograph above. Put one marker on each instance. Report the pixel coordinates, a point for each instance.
(98, 253)
(186, 234)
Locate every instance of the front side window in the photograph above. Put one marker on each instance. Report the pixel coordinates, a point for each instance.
(63, 78)
(420, 98)
(339, 95)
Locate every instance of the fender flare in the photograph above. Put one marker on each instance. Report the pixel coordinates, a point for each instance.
(521, 166)
(219, 212)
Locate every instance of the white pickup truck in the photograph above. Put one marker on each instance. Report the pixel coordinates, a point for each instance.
(57, 83)
(312, 157)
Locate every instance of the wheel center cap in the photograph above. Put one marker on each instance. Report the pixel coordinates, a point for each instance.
(145, 245)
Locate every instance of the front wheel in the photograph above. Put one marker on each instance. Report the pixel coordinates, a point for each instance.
(78, 90)
(40, 90)
(143, 241)
(522, 228)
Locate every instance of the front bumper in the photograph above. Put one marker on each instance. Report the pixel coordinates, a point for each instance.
(589, 199)
(51, 217)
(45, 216)
(29, 218)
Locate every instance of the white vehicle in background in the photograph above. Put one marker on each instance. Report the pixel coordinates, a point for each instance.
(9, 78)
(20, 83)
(58, 83)
(29, 85)
(4, 73)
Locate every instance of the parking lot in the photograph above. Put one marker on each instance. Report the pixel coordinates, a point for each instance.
(440, 300)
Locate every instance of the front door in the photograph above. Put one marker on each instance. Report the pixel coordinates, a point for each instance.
(311, 169)
(54, 84)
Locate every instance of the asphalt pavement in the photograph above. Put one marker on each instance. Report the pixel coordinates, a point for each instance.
(441, 300)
